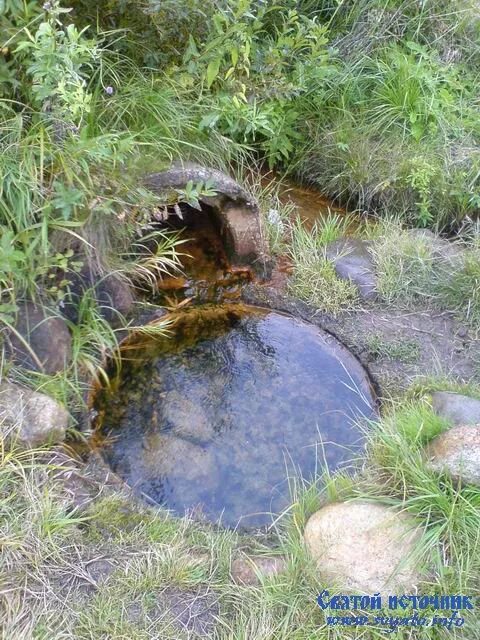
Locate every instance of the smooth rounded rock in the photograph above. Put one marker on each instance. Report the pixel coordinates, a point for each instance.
(112, 294)
(457, 408)
(352, 261)
(250, 571)
(457, 453)
(41, 341)
(364, 548)
(30, 419)
(114, 297)
(176, 455)
(187, 417)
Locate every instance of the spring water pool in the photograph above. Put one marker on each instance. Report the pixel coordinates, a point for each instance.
(216, 418)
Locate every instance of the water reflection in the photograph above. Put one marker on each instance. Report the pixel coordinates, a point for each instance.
(218, 416)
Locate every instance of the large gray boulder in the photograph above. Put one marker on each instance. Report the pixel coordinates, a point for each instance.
(457, 453)
(30, 419)
(41, 340)
(236, 211)
(457, 408)
(364, 548)
(352, 261)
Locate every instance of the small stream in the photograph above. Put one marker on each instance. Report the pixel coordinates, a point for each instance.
(310, 205)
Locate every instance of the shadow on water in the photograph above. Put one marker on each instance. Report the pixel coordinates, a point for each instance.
(214, 418)
(207, 275)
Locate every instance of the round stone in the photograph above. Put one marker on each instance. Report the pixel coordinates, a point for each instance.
(457, 453)
(364, 548)
(353, 261)
(41, 340)
(457, 408)
(30, 419)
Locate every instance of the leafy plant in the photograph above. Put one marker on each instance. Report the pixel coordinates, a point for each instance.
(258, 62)
(66, 199)
(57, 60)
(192, 193)
(420, 178)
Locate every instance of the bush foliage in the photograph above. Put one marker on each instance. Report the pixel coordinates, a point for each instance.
(375, 102)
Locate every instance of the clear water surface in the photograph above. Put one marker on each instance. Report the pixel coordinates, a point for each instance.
(216, 419)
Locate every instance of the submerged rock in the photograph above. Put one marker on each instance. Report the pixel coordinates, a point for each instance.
(352, 261)
(251, 571)
(457, 408)
(364, 547)
(165, 454)
(41, 341)
(457, 453)
(187, 418)
(30, 419)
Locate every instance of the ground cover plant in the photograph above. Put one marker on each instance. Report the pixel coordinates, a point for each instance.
(111, 569)
(373, 102)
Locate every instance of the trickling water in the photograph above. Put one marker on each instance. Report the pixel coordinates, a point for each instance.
(309, 203)
(207, 274)
(216, 416)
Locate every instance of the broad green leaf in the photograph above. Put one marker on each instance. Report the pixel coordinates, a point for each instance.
(212, 71)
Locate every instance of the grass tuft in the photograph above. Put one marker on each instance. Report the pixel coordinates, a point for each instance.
(313, 276)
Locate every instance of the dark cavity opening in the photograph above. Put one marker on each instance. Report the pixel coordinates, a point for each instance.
(207, 272)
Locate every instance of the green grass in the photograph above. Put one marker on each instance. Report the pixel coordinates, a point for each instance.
(461, 291)
(395, 129)
(52, 589)
(417, 269)
(403, 350)
(313, 277)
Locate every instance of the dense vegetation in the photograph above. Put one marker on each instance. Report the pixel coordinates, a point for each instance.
(375, 103)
